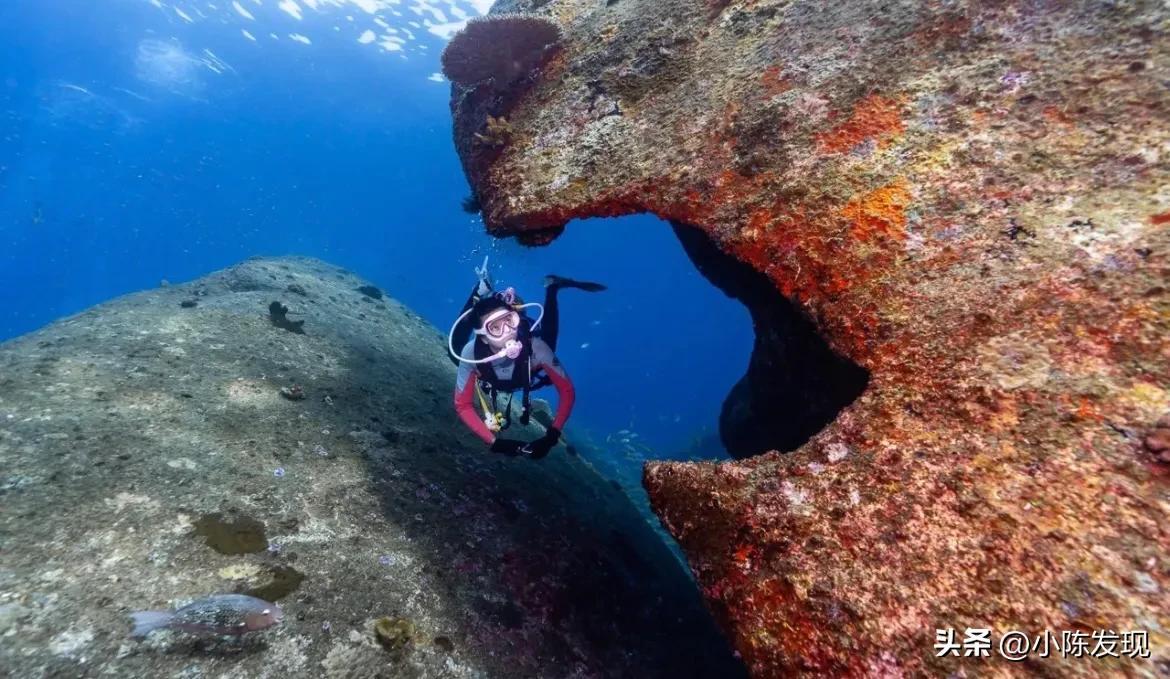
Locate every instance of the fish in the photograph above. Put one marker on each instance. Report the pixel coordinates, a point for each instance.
(215, 614)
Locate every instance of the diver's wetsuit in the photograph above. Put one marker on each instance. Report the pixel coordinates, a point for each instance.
(543, 356)
(543, 360)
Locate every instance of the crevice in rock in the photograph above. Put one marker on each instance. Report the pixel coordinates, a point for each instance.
(795, 383)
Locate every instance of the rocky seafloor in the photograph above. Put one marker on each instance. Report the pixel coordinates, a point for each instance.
(149, 457)
(968, 200)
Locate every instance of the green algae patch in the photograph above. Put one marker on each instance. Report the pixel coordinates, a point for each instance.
(394, 633)
(285, 581)
(241, 535)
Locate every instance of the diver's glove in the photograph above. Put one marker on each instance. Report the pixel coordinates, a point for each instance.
(507, 446)
(541, 446)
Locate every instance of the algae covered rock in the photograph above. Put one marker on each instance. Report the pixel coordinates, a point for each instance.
(148, 458)
(394, 634)
(499, 49)
(968, 200)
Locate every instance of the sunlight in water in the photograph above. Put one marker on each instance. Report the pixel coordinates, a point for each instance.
(69, 104)
(398, 27)
(166, 65)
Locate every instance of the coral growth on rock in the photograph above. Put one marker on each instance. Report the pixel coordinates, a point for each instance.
(498, 49)
(1158, 440)
(968, 201)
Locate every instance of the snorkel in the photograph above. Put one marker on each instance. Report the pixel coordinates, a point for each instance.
(508, 345)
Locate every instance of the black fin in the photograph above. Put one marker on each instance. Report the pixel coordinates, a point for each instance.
(562, 282)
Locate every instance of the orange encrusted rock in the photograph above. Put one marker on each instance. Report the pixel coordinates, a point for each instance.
(969, 201)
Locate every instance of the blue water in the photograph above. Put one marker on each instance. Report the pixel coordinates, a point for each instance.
(144, 141)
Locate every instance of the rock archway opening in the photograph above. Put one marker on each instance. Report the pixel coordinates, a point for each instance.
(795, 383)
(773, 379)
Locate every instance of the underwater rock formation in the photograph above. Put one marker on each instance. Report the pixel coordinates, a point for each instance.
(149, 458)
(498, 50)
(968, 201)
(792, 370)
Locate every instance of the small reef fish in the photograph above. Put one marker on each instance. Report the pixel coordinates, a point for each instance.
(621, 436)
(216, 614)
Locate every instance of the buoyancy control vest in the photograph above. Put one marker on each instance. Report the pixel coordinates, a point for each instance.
(524, 378)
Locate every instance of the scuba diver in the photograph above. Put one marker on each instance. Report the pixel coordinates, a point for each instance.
(510, 352)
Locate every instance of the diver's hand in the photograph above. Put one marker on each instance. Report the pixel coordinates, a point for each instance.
(541, 446)
(485, 281)
(552, 435)
(507, 446)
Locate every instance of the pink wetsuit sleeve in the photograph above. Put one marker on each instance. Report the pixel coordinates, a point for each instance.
(465, 406)
(566, 394)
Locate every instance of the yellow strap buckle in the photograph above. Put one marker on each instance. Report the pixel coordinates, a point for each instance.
(493, 421)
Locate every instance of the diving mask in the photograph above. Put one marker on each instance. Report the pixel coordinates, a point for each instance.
(504, 321)
(501, 324)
